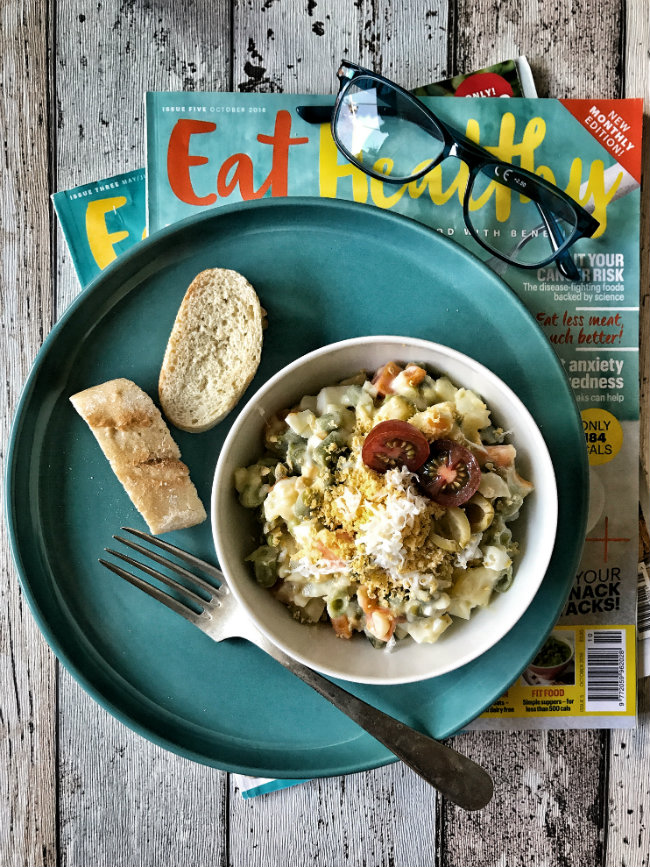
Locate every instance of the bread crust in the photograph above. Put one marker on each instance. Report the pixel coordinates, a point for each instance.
(213, 351)
(142, 453)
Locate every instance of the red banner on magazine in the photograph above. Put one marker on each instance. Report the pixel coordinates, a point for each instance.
(613, 123)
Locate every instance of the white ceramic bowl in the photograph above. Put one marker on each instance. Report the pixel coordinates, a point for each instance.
(236, 531)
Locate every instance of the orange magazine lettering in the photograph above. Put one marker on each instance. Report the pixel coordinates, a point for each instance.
(237, 170)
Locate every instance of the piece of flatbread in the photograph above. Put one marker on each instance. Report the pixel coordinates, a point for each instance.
(134, 437)
(213, 351)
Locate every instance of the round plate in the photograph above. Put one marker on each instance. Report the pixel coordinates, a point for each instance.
(325, 270)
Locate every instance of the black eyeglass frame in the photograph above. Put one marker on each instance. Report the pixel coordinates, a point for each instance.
(456, 144)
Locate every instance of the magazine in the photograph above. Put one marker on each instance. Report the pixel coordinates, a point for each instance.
(102, 219)
(643, 611)
(206, 149)
(509, 78)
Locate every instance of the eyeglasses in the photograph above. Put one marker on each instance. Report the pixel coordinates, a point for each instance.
(391, 135)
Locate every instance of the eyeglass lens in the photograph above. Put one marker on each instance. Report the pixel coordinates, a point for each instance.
(387, 132)
(521, 221)
(392, 135)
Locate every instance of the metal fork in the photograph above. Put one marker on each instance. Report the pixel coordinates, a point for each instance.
(221, 616)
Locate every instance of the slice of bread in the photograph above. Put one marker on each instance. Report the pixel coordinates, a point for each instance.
(213, 351)
(134, 437)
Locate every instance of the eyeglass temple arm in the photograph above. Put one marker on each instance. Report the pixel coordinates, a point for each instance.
(315, 113)
(324, 113)
(564, 261)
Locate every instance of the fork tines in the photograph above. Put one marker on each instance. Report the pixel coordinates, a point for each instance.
(199, 592)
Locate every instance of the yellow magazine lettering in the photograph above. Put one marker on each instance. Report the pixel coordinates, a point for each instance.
(377, 192)
(418, 186)
(509, 149)
(331, 170)
(100, 240)
(440, 195)
(594, 190)
(432, 183)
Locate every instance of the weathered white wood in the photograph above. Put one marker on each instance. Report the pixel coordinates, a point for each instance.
(27, 668)
(548, 804)
(293, 47)
(386, 816)
(573, 47)
(628, 832)
(123, 800)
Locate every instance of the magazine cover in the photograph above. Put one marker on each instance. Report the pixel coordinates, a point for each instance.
(206, 149)
(102, 219)
(509, 78)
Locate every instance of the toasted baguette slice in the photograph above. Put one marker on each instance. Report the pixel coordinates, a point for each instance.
(144, 457)
(213, 351)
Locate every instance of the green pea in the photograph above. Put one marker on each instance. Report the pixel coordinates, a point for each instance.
(285, 439)
(337, 605)
(302, 506)
(327, 451)
(253, 496)
(414, 609)
(265, 564)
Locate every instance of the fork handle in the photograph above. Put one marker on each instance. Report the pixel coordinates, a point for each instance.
(455, 776)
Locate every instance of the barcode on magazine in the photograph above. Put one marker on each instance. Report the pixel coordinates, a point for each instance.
(605, 669)
(643, 610)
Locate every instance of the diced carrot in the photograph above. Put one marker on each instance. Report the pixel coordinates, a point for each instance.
(328, 554)
(364, 601)
(384, 377)
(414, 374)
(342, 626)
(500, 456)
(380, 621)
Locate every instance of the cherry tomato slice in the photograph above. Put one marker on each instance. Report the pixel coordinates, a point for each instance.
(451, 475)
(395, 443)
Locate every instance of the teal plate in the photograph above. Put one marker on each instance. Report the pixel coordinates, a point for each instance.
(325, 270)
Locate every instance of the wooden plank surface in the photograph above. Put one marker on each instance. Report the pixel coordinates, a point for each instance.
(27, 667)
(570, 797)
(386, 816)
(628, 791)
(107, 55)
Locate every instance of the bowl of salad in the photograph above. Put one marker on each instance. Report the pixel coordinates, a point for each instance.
(552, 658)
(384, 509)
